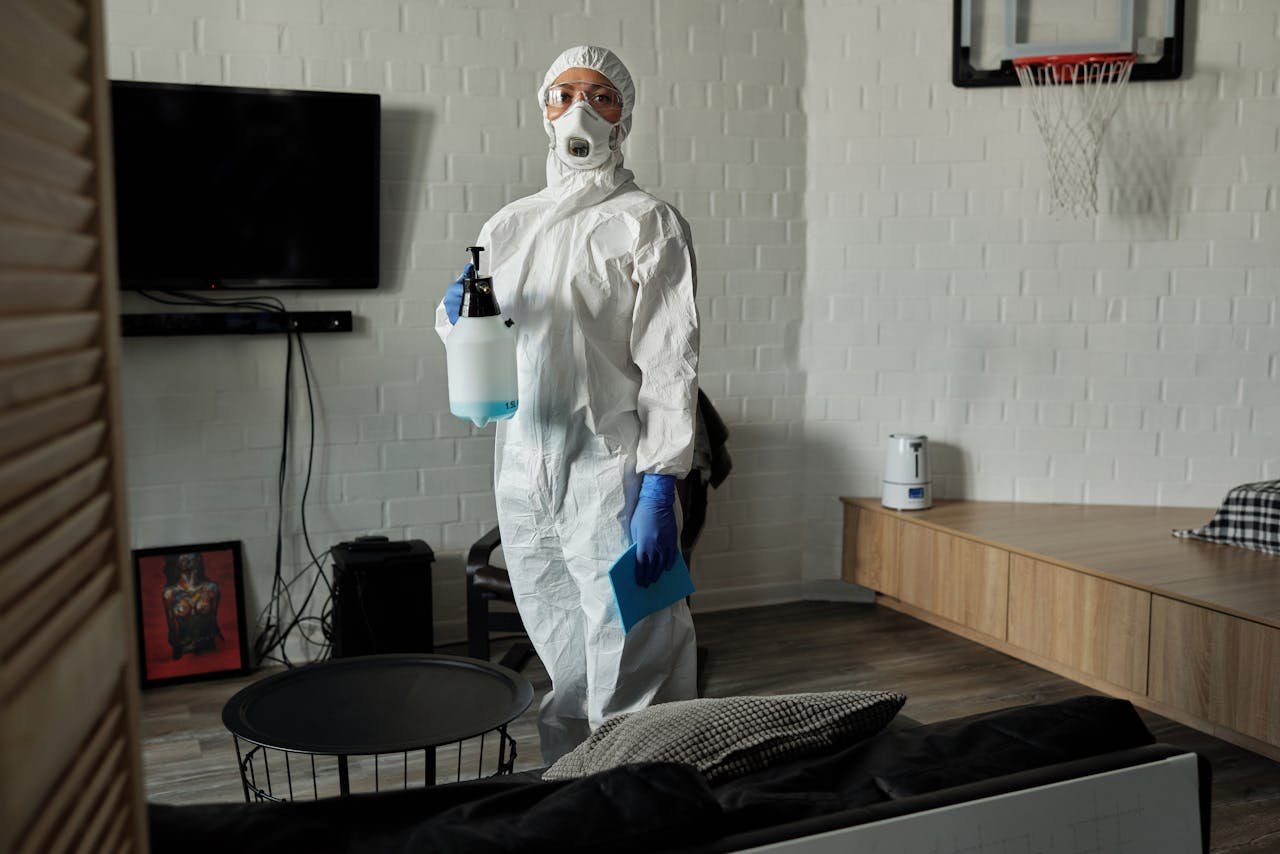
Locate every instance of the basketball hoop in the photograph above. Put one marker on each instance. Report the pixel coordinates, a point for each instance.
(1073, 97)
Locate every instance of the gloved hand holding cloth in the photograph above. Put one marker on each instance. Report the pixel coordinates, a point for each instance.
(653, 527)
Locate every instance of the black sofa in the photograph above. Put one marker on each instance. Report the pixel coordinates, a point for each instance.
(903, 769)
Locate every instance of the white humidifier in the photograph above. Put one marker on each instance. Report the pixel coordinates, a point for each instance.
(907, 482)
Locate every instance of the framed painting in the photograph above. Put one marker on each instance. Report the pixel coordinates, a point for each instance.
(190, 612)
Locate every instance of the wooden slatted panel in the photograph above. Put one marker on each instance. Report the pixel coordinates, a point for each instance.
(29, 425)
(29, 23)
(26, 201)
(38, 335)
(42, 377)
(36, 159)
(67, 16)
(101, 743)
(75, 673)
(47, 291)
(93, 839)
(19, 624)
(18, 109)
(30, 72)
(24, 520)
(30, 471)
(22, 571)
(22, 246)
(93, 796)
(70, 763)
(119, 822)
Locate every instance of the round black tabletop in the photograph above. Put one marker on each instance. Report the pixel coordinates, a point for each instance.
(377, 704)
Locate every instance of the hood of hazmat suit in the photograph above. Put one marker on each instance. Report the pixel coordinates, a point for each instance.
(599, 278)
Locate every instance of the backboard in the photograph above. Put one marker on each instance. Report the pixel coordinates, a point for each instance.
(989, 34)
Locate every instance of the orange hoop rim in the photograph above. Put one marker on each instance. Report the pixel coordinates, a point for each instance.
(1073, 59)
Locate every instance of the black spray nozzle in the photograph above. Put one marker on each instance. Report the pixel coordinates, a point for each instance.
(477, 291)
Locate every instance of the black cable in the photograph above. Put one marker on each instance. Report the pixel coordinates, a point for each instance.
(280, 615)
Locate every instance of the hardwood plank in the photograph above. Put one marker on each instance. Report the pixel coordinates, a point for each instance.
(1129, 544)
(1091, 625)
(871, 550)
(22, 427)
(1216, 667)
(33, 380)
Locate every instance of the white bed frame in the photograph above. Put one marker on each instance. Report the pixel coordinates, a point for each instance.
(1143, 808)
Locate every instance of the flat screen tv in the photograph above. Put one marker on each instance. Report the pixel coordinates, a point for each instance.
(222, 187)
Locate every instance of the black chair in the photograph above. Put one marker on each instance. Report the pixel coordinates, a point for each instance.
(487, 583)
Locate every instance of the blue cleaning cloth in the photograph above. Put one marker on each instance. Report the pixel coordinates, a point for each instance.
(636, 602)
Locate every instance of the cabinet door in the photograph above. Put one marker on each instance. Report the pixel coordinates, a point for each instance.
(871, 549)
(1095, 626)
(962, 580)
(1217, 667)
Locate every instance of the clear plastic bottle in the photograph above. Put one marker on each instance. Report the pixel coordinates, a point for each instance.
(480, 354)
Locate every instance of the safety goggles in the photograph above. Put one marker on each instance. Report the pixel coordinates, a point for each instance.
(605, 100)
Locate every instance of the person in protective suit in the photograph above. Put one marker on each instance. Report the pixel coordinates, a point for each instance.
(599, 278)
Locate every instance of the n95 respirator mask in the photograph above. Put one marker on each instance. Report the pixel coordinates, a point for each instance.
(583, 139)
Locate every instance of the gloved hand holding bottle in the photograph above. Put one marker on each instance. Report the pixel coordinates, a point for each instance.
(653, 527)
(453, 294)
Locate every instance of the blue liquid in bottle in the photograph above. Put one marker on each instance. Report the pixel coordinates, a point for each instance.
(481, 413)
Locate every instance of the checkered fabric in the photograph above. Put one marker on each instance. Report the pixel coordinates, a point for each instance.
(731, 736)
(1249, 517)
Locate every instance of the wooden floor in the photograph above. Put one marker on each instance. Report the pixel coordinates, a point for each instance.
(189, 757)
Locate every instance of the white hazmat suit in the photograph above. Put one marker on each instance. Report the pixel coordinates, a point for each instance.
(599, 278)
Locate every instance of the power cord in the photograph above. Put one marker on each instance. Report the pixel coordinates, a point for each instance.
(281, 615)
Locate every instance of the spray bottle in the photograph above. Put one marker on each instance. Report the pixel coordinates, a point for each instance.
(481, 354)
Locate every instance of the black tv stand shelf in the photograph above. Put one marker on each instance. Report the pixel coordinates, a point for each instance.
(233, 323)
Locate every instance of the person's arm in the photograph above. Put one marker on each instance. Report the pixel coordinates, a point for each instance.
(664, 346)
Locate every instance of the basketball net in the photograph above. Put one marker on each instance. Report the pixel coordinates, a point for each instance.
(1073, 98)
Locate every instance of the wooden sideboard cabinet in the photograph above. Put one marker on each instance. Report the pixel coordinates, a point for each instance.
(1104, 595)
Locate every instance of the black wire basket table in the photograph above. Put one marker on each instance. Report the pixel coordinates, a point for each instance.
(372, 723)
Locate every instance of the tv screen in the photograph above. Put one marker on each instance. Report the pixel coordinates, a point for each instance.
(220, 187)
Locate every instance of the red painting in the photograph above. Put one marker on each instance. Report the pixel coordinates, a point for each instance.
(191, 612)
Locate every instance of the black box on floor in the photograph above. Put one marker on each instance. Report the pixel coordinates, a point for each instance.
(381, 597)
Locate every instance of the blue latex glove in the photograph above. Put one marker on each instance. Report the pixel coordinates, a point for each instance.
(653, 527)
(453, 295)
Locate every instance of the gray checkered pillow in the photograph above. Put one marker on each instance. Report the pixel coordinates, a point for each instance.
(728, 737)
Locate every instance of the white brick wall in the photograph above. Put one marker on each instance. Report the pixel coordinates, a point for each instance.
(720, 85)
(1127, 358)
(874, 257)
